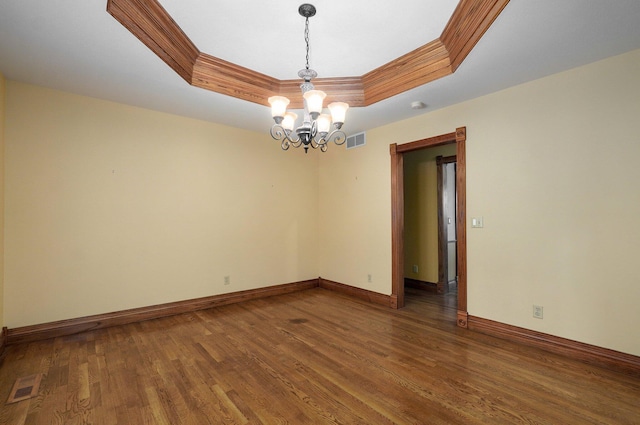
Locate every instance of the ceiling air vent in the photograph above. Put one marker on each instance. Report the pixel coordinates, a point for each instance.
(356, 140)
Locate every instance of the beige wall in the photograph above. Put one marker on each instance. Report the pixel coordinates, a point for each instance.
(2, 113)
(552, 166)
(354, 216)
(110, 207)
(421, 212)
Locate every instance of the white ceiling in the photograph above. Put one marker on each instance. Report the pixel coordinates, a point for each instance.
(76, 46)
(347, 38)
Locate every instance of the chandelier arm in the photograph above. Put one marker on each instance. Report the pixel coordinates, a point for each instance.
(336, 136)
(296, 143)
(277, 132)
(285, 138)
(280, 133)
(322, 140)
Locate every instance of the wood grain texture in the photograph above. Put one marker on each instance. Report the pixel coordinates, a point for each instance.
(99, 321)
(224, 77)
(429, 142)
(467, 25)
(151, 24)
(352, 291)
(3, 340)
(421, 66)
(461, 219)
(463, 319)
(339, 89)
(573, 349)
(310, 357)
(397, 225)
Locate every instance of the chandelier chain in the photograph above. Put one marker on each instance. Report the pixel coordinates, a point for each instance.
(306, 38)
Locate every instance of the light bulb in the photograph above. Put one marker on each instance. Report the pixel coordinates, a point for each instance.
(289, 121)
(314, 100)
(338, 112)
(278, 106)
(324, 124)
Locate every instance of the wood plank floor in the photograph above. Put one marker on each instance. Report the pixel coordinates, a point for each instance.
(312, 357)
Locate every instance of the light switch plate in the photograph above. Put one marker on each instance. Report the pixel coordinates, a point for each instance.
(477, 222)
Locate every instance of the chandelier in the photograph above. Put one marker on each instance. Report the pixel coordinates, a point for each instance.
(317, 129)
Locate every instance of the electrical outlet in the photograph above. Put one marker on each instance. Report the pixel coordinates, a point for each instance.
(538, 311)
(369, 279)
(227, 280)
(415, 268)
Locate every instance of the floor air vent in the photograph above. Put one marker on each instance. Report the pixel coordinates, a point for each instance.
(356, 140)
(25, 388)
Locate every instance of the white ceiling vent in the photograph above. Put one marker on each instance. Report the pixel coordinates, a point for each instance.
(356, 140)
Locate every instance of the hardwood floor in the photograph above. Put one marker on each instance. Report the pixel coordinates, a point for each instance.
(311, 357)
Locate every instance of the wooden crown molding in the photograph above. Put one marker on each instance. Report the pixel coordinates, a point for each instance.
(151, 24)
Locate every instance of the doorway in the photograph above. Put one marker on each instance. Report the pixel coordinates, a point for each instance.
(397, 216)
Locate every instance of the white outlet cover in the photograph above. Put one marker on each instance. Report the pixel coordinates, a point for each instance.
(538, 311)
